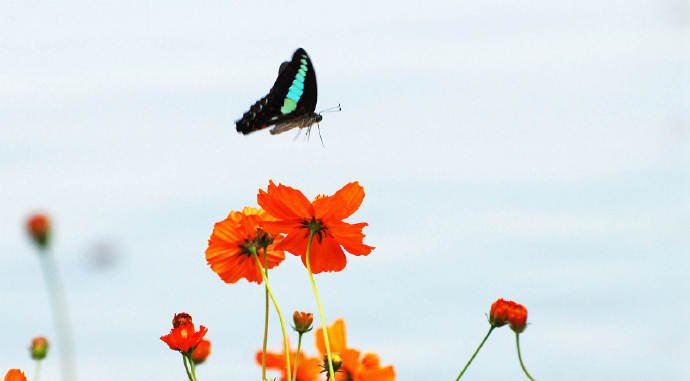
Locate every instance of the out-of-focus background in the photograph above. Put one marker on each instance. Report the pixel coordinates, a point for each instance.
(536, 151)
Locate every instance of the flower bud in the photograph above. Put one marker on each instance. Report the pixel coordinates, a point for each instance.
(39, 348)
(263, 239)
(508, 312)
(181, 318)
(201, 352)
(518, 318)
(498, 315)
(303, 321)
(38, 227)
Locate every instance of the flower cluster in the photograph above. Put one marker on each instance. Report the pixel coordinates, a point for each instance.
(184, 338)
(508, 312)
(350, 363)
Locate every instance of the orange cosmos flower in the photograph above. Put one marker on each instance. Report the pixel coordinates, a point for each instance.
(15, 375)
(185, 337)
(231, 244)
(296, 217)
(308, 368)
(356, 367)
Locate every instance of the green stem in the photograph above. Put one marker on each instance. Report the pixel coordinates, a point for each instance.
(280, 314)
(475, 353)
(60, 318)
(193, 366)
(331, 373)
(37, 373)
(265, 343)
(186, 367)
(517, 343)
(299, 345)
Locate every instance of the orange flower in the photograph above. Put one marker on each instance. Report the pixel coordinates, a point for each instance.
(229, 251)
(201, 352)
(356, 367)
(308, 368)
(508, 312)
(38, 226)
(297, 217)
(185, 337)
(15, 375)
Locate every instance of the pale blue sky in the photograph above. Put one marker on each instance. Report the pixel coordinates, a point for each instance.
(527, 150)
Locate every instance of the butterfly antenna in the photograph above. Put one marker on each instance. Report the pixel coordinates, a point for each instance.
(332, 109)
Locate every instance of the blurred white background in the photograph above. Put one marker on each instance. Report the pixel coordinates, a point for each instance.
(536, 151)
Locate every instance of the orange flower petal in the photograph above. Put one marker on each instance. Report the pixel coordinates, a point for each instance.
(295, 242)
(350, 236)
(277, 227)
(379, 374)
(371, 360)
(284, 202)
(342, 204)
(326, 255)
(336, 338)
(309, 367)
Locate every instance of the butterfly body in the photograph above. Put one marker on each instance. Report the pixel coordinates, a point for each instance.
(291, 101)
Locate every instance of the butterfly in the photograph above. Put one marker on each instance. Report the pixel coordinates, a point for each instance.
(291, 101)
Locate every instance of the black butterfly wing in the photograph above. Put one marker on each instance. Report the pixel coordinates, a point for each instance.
(292, 96)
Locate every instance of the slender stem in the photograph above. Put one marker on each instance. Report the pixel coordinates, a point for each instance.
(517, 344)
(193, 366)
(280, 314)
(263, 350)
(186, 367)
(475, 353)
(37, 373)
(60, 318)
(331, 373)
(299, 345)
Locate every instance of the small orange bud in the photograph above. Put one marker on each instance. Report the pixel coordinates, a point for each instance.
(39, 348)
(518, 318)
(181, 318)
(498, 315)
(303, 321)
(201, 352)
(38, 227)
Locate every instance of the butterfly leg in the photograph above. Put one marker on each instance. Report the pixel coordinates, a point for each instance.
(318, 128)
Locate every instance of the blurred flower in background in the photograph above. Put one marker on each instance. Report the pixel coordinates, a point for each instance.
(15, 375)
(39, 348)
(38, 226)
